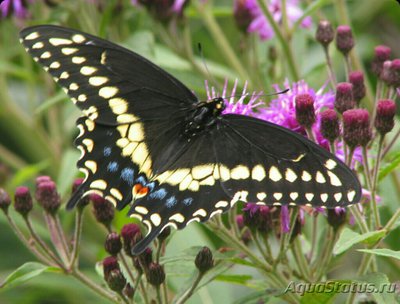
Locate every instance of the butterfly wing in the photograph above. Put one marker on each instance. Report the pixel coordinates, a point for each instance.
(272, 165)
(126, 99)
(109, 83)
(242, 159)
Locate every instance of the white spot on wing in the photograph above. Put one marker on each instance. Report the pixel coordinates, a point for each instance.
(274, 174)
(59, 41)
(156, 219)
(32, 36)
(258, 173)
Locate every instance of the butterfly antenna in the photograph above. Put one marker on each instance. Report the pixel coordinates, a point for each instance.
(209, 75)
(261, 95)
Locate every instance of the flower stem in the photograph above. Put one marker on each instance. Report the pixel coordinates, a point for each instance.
(373, 204)
(31, 247)
(282, 40)
(93, 286)
(77, 238)
(331, 72)
(360, 219)
(300, 259)
(42, 244)
(220, 39)
(55, 237)
(190, 291)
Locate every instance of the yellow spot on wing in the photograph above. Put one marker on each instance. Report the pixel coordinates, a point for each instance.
(87, 70)
(274, 174)
(108, 92)
(118, 105)
(240, 172)
(99, 184)
(177, 217)
(156, 219)
(258, 173)
(69, 51)
(59, 41)
(32, 36)
(136, 132)
(78, 38)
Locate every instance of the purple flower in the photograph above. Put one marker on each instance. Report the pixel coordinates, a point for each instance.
(285, 219)
(261, 25)
(235, 105)
(14, 7)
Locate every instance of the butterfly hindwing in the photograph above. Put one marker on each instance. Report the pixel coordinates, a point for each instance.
(277, 166)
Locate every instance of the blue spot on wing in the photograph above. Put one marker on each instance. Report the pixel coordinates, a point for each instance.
(151, 186)
(158, 194)
(187, 201)
(142, 180)
(170, 202)
(127, 175)
(112, 166)
(107, 151)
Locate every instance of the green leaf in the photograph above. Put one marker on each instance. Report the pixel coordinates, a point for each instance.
(60, 96)
(380, 286)
(27, 173)
(383, 252)
(253, 298)
(67, 172)
(390, 166)
(26, 272)
(316, 293)
(348, 238)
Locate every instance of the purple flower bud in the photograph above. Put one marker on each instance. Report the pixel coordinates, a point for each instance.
(336, 217)
(382, 53)
(116, 280)
(305, 113)
(325, 33)
(17, 8)
(330, 125)
(47, 196)
(5, 200)
(84, 201)
(391, 73)
(110, 263)
(103, 210)
(384, 120)
(129, 291)
(242, 14)
(23, 200)
(356, 78)
(43, 178)
(131, 234)
(204, 260)
(356, 129)
(156, 274)
(344, 39)
(146, 257)
(240, 221)
(344, 99)
(113, 243)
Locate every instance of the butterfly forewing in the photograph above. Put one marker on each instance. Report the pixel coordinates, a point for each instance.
(110, 84)
(136, 148)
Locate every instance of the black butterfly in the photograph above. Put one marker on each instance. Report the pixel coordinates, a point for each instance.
(147, 140)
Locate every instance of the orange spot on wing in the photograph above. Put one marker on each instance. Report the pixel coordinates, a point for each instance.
(139, 191)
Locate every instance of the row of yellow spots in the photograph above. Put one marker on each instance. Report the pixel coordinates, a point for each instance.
(133, 145)
(193, 178)
(156, 219)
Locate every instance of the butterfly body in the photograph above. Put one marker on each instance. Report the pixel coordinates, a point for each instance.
(147, 141)
(205, 116)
